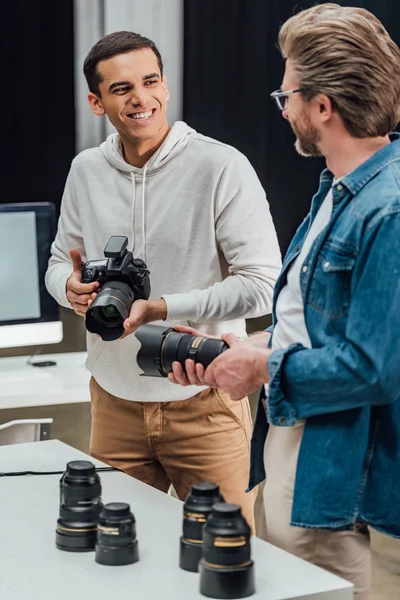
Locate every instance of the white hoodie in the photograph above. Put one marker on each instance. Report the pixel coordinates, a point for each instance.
(197, 215)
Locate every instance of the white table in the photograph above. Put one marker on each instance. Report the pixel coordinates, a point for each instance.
(32, 568)
(22, 385)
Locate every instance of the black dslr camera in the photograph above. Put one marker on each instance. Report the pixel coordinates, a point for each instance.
(123, 279)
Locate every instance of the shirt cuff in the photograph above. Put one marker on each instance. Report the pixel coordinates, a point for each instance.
(280, 411)
(180, 307)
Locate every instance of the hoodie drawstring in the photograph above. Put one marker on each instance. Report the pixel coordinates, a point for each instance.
(143, 210)
(133, 210)
(144, 213)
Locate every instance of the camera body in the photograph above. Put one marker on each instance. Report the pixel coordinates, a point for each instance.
(123, 279)
(119, 265)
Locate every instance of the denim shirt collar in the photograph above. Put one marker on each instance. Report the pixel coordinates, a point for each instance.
(358, 178)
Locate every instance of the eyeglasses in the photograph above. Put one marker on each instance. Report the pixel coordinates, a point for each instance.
(281, 97)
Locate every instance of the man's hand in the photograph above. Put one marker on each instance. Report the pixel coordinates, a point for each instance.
(144, 311)
(241, 370)
(79, 295)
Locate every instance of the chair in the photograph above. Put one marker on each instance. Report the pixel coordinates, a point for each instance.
(25, 430)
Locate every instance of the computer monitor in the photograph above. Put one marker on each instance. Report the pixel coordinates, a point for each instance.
(28, 314)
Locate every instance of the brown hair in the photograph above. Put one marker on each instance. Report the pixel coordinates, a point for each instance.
(347, 54)
(119, 42)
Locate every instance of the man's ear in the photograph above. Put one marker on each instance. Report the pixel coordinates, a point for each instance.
(96, 104)
(324, 106)
(164, 82)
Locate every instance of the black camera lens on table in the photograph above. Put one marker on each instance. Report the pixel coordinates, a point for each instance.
(116, 536)
(196, 509)
(161, 346)
(80, 505)
(123, 279)
(226, 568)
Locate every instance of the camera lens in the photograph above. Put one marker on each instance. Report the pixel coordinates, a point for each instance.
(162, 346)
(80, 504)
(197, 507)
(109, 310)
(226, 568)
(116, 536)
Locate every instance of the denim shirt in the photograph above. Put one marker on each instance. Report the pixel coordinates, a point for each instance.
(347, 386)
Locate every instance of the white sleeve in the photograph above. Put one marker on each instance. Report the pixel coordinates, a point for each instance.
(69, 235)
(246, 236)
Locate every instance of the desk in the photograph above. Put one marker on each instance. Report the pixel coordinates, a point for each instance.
(32, 568)
(22, 385)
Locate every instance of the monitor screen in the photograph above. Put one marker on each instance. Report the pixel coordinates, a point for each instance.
(28, 314)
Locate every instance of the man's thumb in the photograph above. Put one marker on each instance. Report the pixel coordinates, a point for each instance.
(76, 259)
(230, 338)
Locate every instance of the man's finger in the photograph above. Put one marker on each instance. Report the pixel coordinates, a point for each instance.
(200, 370)
(209, 375)
(91, 299)
(137, 316)
(184, 329)
(78, 298)
(191, 373)
(230, 338)
(179, 374)
(130, 325)
(82, 288)
(77, 261)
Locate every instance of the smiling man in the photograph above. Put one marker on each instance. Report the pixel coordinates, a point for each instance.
(195, 212)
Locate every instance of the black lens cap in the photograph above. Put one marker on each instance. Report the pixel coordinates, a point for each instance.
(81, 468)
(115, 510)
(224, 510)
(204, 488)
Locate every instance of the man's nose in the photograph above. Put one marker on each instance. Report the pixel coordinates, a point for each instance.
(285, 113)
(138, 98)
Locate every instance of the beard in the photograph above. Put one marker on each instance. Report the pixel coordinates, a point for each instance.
(307, 137)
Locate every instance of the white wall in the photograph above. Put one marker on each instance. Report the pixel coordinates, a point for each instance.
(160, 20)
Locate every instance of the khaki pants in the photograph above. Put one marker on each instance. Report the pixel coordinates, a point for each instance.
(203, 438)
(344, 553)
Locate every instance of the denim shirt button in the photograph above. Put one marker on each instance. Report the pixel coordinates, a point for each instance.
(326, 264)
(282, 420)
(305, 269)
(339, 187)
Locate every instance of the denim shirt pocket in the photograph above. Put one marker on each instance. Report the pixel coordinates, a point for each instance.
(330, 288)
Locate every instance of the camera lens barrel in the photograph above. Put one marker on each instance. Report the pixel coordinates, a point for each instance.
(161, 346)
(226, 568)
(196, 509)
(116, 536)
(80, 505)
(181, 346)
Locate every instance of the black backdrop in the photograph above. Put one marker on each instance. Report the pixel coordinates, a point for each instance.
(38, 99)
(231, 64)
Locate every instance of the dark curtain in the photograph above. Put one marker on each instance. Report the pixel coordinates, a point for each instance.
(38, 99)
(231, 65)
